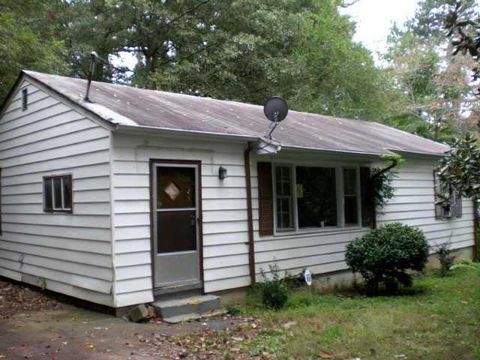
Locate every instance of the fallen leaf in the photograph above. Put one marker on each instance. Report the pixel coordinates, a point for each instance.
(89, 346)
(325, 355)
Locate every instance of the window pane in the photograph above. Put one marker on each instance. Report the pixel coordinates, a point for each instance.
(47, 193)
(284, 213)
(350, 181)
(67, 189)
(57, 193)
(350, 196)
(176, 231)
(283, 190)
(283, 178)
(316, 194)
(351, 211)
(176, 187)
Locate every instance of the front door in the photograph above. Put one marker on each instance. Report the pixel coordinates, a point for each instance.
(175, 226)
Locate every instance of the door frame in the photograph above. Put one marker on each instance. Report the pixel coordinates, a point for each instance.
(198, 165)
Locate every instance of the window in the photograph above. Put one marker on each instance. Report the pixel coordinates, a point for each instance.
(448, 202)
(24, 99)
(284, 197)
(350, 197)
(316, 197)
(309, 197)
(57, 193)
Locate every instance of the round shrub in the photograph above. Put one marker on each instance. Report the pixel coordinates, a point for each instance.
(386, 255)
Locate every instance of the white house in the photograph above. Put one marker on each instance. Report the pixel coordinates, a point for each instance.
(117, 199)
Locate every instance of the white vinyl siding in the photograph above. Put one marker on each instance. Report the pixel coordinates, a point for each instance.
(414, 204)
(225, 248)
(323, 250)
(67, 253)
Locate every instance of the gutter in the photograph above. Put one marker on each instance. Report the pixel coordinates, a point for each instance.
(175, 132)
(248, 183)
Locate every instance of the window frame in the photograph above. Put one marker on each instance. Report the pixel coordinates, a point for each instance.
(453, 198)
(293, 197)
(63, 209)
(339, 184)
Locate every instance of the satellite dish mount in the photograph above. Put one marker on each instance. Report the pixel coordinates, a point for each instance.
(276, 110)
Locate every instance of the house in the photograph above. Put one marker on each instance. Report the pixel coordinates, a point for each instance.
(138, 193)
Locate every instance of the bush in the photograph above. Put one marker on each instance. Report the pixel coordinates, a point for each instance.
(274, 290)
(386, 255)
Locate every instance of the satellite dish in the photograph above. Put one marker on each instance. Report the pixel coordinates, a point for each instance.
(275, 109)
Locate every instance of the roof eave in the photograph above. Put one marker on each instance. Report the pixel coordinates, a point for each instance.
(143, 129)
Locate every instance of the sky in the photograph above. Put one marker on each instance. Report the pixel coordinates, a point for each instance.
(375, 18)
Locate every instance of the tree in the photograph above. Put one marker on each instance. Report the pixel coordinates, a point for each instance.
(27, 30)
(460, 168)
(436, 94)
(463, 25)
(93, 26)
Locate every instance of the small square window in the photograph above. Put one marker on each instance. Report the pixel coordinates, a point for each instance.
(57, 193)
(24, 99)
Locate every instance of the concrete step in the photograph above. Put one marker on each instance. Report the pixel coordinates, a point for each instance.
(188, 308)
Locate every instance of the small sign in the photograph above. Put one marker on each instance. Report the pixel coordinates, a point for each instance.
(308, 277)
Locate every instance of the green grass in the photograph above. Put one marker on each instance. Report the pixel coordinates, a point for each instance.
(439, 318)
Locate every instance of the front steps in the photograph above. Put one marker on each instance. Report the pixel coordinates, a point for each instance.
(187, 308)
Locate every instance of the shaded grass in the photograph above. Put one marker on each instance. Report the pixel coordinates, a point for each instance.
(439, 318)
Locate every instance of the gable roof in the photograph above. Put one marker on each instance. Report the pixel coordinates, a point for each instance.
(127, 106)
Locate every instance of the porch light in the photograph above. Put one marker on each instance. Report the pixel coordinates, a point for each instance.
(222, 173)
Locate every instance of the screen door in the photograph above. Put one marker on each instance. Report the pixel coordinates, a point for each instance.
(176, 253)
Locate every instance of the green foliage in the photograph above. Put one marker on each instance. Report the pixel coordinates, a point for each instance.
(382, 179)
(386, 255)
(466, 264)
(28, 40)
(463, 24)
(434, 91)
(274, 289)
(460, 168)
(233, 310)
(445, 257)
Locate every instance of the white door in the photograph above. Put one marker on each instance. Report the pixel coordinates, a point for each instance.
(175, 226)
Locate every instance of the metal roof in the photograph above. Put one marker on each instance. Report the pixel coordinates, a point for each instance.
(133, 107)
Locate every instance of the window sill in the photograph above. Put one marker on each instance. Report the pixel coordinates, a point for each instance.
(52, 212)
(326, 230)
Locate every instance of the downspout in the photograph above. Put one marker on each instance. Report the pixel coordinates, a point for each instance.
(248, 183)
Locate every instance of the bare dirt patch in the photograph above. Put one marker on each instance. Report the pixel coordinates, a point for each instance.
(16, 299)
(36, 325)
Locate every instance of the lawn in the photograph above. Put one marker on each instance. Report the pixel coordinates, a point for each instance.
(438, 319)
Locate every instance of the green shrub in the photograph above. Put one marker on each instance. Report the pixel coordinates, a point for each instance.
(274, 289)
(386, 255)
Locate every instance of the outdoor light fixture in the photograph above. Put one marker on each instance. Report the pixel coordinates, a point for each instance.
(222, 173)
